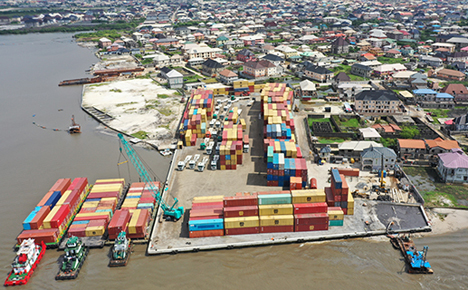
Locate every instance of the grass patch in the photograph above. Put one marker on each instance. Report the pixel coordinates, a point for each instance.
(163, 96)
(345, 122)
(151, 105)
(356, 78)
(330, 140)
(140, 135)
(319, 120)
(177, 94)
(391, 60)
(438, 113)
(342, 68)
(116, 90)
(125, 104)
(210, 81)
(165, 111)
(96, 85)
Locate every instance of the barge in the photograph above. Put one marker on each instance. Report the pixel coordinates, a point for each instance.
(415, 260)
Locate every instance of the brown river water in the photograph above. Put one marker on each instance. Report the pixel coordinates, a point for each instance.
(32, 159)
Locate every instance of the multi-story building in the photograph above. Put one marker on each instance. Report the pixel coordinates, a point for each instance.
(377, 103)
(458, 91)
(318, 73)
(453, 166)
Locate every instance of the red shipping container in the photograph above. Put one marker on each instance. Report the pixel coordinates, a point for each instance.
(62, 214)
(329, 195)
(334, 208)
(211, 217)
(97, 223)
(45, 198)
(241, 211)
(110, 182)
(36, 222)
(142, 221)
(79, 183)
(305, 208)
(276, 229)
(218, 204)
(233, 166)
(313, 183)
(308, 228)
(61, 185)
(337, 198)
(88, 209)
(119, 221)
(93, 195)
(345, 211)
(93, 217)
(148, 200)
(311, 219)
(344, 197)
(45, 235)
(204, 234)
(77, 231)
(242, 231)
(205, 212)
(233, 201)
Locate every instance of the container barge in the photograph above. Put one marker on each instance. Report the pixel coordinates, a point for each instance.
(83, 81)
(415, 260)
(52, 216)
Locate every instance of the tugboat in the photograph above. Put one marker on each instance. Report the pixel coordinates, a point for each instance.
(25, 262)
(75, 254)
(415, 260)
(121, 251)
(74, 127)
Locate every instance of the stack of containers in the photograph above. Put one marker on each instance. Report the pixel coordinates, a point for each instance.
(276, 212)
(336, 216)
(350, 210)
(338, 193)
(231, 148)
(197, 115)
(140, 196)
(258, 88)
(242, 86)
(206, 217)
(97, 210)
(53, 214)
(276, 101)
(118, 223)
(138, 223)
(241, 214)
(310, 210)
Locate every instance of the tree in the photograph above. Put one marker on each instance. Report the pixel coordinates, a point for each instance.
(388, 142)
(409, 132)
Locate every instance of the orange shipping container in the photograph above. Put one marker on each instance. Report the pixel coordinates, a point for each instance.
(61, 185)
(45, 198)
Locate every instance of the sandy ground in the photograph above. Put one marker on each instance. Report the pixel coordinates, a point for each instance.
(137, 105)
(445, 220)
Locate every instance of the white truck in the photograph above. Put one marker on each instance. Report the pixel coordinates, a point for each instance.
(214, 162)
(193, 162)
(181, 165)
(209, 148)
(201, 165)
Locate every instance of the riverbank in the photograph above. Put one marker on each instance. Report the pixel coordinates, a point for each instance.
(447, 220)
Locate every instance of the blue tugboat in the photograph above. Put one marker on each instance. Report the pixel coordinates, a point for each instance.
(415, 260)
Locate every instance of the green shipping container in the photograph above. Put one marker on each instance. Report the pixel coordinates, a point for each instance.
(336, 223)
(274, 199)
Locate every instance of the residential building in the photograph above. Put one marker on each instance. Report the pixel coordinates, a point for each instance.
(202, 51)
(372, 158)
(390, 129)
(355, 148)
(458, 56)
(104, 42)
(428, 98)
(175, 79)
(221, 40)
(254, 69)
(453, 166)
(361, 70)
(459, 42)
(458, 91)
(308, 90)
(159, 60)
(369, 134)
(449, 46)
(325, 153)
(252, 40)
(273, 58)
(393, 53)
(340, 78)
(412, 148)
(211, 67)
(287, 51)
(164, 42)
(318, 73)
(389, 69)
(227, 77)
(339, 46)
(246, 55)
(440, 145)
(450, 74)
(461, 123)
(431, 61)
(377, 103)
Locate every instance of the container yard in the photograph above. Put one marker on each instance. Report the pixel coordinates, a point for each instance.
(273, 197)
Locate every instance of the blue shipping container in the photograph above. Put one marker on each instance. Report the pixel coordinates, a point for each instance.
(283, 198)
(30, 217)
(80, 222)
(53, 199)
(205, 225)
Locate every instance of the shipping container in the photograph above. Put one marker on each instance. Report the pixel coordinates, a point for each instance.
(336, 223)
(240, 222)
(242, 231)
(215, 198)
(61, 185)
(54, 198)
(38, 219)
(308, 196)
(47, 236)
(276, 209)
(95, 231)
(307, 228)
(277, 220)
(335, 213)
(207, 205)
(202, 225)
(30, 217)
(234, 201)
(274, 199)
(276, 229)
(240, 211)
(311, 219)
(207, 233)
(305, 208)
(119, 221)
(206, 212)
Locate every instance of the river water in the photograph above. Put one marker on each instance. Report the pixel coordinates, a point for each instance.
(33, 158)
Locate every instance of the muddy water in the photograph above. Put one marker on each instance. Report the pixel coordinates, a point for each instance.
(32, 159)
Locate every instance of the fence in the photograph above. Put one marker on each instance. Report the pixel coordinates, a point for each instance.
(417, 195)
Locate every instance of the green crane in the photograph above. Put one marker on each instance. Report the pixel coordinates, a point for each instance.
(169, 212)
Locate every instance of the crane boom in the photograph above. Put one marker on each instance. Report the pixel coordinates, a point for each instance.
(146, 178)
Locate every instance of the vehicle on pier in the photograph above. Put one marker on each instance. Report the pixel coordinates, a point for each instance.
(415, 260)
(28, 256)
(121, 251)
(74, 127)
(73, 259)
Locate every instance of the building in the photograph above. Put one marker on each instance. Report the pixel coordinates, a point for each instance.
(175, 79)
(273, 58)
(389, 69)
(453, 166)
(325, 153)
(377, 103)
(458, 56)
(372, 158)
(390, 129)
(361, 70)
(159, 60)
(227, 77)
(369, 134)
(308, 90)
(246, 55)
(164, 42)
(393, 53)
(412, 148)
(340, 78)
(440, 145)
(212, 67)
(458, 91)
(450, 74)
(318, 73)
(104, 42)
(201, 51)
(428, 98)
(254, 69)
(339, 46)
(355, 148)
(431, 61)
(461, 123)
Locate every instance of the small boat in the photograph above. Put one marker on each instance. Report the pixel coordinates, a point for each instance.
(28, 256)
(75, 254)
(415, 260)
(74, 127)
(166, 152)
(120, 253)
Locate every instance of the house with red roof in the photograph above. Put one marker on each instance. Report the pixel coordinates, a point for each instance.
(440, 145)
(411, 148)
(459, 91)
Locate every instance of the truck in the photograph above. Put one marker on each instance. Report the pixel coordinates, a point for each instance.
(214, 162)
(209, 148)
(181, 165)
(246, 144)
(201, 165)
(193, 162)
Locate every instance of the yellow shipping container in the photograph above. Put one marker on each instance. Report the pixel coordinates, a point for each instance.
(131, 201)
(64, 197)
(275, 209)
(350, 211)
(95, 231)
(48, 218)
(277, 220)
(213, 198)
(335, 215)
(223, 167)
(134, 194)
(133, 221)
(241, 222)
(90, 214)
(111, 180)
(87, 204)
(308, 196)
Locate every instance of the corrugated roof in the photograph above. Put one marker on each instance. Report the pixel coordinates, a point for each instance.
(445, 144)
(454, 159)
(411, 143)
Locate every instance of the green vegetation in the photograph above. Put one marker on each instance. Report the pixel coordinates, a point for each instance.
(390, 60)
(356, 78)
(388, 142)
(151, 105)
(125, 104)
(177, 94)
(318, 120)
(409, 132)
(163, 96)
(147, 61)
(342, 68)
(330, 140)
(436, 193)
(274, 41)
(95, 36)
(438, 113)
(116, 90)
(165, 111)
(346, 122)
(31, 11)
(210, 81)
(140, 135)
(191, 79)
(190, 23)
(118, 25)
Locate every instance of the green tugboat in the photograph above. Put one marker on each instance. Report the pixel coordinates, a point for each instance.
(75, 254)
(121, 251)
